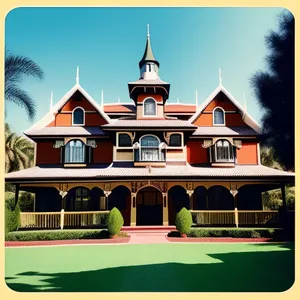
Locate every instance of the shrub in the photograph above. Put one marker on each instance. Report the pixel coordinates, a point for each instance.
(12, 213)
(183, 221)
(115, 222)
(58, 235)
(26, 201)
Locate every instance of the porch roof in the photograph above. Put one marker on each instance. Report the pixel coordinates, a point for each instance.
(225, 131)
(128, 171)
(65, 131)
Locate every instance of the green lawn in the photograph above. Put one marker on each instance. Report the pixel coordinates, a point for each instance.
(152, 268)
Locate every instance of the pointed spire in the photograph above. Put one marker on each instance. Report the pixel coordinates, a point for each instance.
(77, 75)
(51, 100)
(102, 99)
(220, 76)
(148, 54)
(118, 99)
(197, 99)
(177, 100)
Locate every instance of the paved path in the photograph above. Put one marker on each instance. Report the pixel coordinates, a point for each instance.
(148, 237)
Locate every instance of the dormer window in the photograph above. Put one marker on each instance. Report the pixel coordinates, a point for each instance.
(78, 116)
(219, 116)
(149, 107)
(75, 152)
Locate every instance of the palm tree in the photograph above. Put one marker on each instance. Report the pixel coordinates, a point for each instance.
(16, 67)
(19, 151)
(268, 158)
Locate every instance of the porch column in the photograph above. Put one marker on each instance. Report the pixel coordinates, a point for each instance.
(191, 202)
(165, 209)
(282, 185)
(133, 210)
(106, 194)
(236, 214)
(17, 194)
(62, 213)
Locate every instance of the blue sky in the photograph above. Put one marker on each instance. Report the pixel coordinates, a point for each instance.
(191, 44)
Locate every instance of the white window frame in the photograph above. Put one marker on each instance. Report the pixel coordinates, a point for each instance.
(84, 152)
(117, 147)
(182, 143)
(117, 141)
(218, 107)
(222, 160)
(140, 146)
(149, 116)
(78, 107)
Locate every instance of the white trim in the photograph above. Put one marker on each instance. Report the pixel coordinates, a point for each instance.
(78, 107)
(50, 116)
(258, 153)
(213, 112)
(246, 117)
(149, 116)
(141, 147)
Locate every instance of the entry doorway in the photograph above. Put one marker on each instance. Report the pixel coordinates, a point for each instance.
(149, 207)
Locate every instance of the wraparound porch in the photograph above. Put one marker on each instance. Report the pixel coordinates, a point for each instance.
(142, 203)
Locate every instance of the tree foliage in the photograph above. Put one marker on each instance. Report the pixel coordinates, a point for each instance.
(16, 68)
(19, 151)
(275, 91)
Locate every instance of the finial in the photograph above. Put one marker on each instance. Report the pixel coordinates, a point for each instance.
(51, 100)
(148, 30)
(77, 75)
(196, 99)
(220, 76)
(177, 100)
(102, 99)
(245, 101)
(118, 99)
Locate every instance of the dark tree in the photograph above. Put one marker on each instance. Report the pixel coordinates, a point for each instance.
(275, 91)
(16, 67)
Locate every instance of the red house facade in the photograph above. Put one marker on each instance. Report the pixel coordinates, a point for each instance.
(148, 158)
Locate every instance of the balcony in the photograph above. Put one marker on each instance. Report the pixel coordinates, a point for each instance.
(154, 156)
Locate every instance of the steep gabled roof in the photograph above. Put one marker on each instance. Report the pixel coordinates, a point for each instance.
(50, 116)
(246, 117)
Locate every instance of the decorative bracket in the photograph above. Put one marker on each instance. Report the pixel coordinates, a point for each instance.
(59, 144)
(91, 143)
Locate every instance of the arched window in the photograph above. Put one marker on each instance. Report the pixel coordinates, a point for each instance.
(150, 107)
(150, 150)
(124, 140)
(78, 199)
(78, 116)
(175, 140)
(75, 152)
(223, 152)
(219, 116)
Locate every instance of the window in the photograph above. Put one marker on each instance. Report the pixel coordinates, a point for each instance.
(150, 150)
(150, 107)
(219, 116)
(175, 140)
(78, 199)
(75, 152)
(124, 140)
(78, 116)
(222, 151)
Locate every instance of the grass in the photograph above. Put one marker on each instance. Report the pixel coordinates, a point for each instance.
(151, 268)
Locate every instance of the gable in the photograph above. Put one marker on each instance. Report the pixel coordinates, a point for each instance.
(61, 112)
(235, 114)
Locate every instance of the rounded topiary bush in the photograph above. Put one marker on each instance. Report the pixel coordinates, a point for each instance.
(183, 221)
(115, 222)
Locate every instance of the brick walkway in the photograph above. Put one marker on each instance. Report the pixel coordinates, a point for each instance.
(148, 237)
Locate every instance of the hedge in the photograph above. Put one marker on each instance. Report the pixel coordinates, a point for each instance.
(275, 233)
(59, 235)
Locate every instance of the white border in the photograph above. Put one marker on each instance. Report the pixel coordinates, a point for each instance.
(78, 107)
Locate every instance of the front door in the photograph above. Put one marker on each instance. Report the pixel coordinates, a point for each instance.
(149, 207)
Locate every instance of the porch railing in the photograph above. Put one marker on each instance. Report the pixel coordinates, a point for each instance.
(233, 217)
(62, 219)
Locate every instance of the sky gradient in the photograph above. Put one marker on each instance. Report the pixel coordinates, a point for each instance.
(191, 44)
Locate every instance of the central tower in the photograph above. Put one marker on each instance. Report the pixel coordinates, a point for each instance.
(149, 92)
